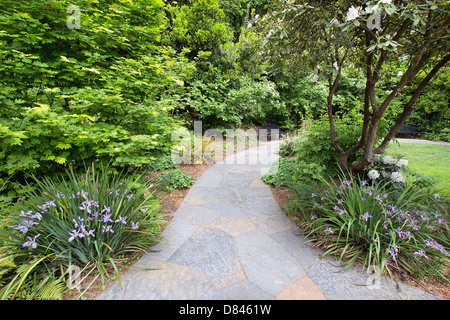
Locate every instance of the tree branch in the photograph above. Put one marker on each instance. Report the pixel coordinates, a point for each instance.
(409, 107)
(415, 66)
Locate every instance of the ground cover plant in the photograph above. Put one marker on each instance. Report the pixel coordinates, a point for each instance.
(168, 180)
(88, 221)
(377, 224)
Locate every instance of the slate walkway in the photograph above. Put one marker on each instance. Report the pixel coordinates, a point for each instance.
(230, 240)
(421, 141)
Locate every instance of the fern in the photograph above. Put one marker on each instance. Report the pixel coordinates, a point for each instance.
(51, 289)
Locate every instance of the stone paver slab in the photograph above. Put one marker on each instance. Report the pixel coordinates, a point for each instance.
(191, 215)
(233, 226)
(302, 289)
(259, 206)
(165, 281)
(272, 224)
(202, 196)
(266, 263)
(174, 236)
(330, 278)
(295, 243)
(245, 290)
(227, 209)
(213, 252)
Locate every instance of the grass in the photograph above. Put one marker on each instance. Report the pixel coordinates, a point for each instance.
(427, 159)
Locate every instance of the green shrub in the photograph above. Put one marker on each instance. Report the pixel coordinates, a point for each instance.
(161, 163)
(443, 135)
(223, 102)
(257, 102)
(315, 145)
(378, 225)
(88, 221)
(102, 91)
(281, 173)
(174, 179)
(290, 172)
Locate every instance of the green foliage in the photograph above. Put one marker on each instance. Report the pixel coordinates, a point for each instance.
(432, 114)
(161, 163)
(303, 97)
(443, 135)
(290, 172)
(168, 180)
(256, 101)
(101, 91)
(222, 103)
(281, 173)
(199, 26)
(314, 145)
(378, 225)
(288, 145)
(86, 221)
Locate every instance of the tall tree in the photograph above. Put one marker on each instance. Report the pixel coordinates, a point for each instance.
(199, 27)
(328, 36)
(84, 79)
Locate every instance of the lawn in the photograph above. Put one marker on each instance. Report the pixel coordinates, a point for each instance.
(429, 159)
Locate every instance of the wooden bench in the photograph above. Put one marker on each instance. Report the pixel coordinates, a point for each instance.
(407, 131)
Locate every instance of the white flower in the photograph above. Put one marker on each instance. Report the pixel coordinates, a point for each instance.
(389, 160)
(373, 174)
(399, 74)
(385, 1)
(397, 177)
(402, 163)
(352, 13)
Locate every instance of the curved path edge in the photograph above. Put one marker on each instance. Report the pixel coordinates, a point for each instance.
(229, 240)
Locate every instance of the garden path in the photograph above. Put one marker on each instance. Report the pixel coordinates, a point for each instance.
(229, 240)
(404, 140)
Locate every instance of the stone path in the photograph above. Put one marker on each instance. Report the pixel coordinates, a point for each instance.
(229, 240)
(421, 141)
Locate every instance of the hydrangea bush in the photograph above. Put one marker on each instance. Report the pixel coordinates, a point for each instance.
(388, 168)
(376, 224)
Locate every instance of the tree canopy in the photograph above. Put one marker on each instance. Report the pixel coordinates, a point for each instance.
(375, 37)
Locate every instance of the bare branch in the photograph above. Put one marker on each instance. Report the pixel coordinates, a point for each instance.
(409, 107)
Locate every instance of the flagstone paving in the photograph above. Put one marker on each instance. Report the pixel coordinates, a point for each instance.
(229, 240)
